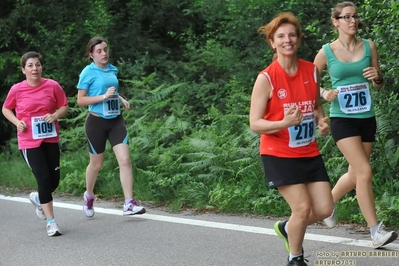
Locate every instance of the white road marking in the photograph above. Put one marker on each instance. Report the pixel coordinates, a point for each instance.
(226, 226)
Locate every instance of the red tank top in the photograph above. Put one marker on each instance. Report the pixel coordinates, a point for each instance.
(299, 89)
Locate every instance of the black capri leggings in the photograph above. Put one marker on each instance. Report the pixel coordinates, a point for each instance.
(44, 162)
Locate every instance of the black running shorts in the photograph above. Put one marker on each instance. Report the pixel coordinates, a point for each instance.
(98, 130)
(290, 171)
(342, 128)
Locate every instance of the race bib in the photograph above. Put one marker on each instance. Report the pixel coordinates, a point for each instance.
(111, 106)
(354, 99)
(41, 129)
(304, 133)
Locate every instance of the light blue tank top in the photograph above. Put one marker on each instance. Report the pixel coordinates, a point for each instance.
(353, 100)
(96, 81)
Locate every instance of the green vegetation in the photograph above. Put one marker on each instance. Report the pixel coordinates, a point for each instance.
(188, 68)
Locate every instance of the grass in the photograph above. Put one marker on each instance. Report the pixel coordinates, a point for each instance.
(222, 196)
(15, 173)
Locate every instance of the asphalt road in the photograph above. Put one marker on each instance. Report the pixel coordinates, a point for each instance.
(161, 238)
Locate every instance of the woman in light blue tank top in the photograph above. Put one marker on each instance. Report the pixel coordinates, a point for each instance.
(354, 70)
(98, 89)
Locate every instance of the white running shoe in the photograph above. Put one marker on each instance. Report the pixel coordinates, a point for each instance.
(132, 208)
(382, 237)
(52, 229)
(88, 209)
(331, 220)
(33, 197)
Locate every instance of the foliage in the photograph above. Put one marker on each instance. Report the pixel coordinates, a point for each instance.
(15, 173)
(73, 166)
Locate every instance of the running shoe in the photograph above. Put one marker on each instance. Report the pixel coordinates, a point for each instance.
(88, 209)
(382, 237)
(132, 208)
(34, 198)
(279, 228)
(52, 229)
(297, 261)
(331, 220)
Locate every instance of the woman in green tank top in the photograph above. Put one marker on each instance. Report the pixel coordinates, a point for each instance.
(353, 67)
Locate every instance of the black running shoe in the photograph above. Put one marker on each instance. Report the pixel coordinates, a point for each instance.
(279, 228)
(297, 261)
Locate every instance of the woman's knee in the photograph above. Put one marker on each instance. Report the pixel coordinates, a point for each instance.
(302, 211)
(96, 167)
(350, 176)
(54, 184)
(323, 212)
(95, 164)
(364, 175)
(124, 162)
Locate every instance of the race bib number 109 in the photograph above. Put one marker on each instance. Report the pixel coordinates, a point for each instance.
(41, 129)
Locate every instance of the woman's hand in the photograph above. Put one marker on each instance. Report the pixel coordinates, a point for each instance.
(293, 116)
(371, 73)
(110, 92)
(21, 126)
(330, 95)
(323, 127)
(125, 104)
(50, 118)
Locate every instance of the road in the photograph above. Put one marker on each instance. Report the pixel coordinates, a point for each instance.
(160, 238)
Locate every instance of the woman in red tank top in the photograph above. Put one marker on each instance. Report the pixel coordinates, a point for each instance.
(286, 110)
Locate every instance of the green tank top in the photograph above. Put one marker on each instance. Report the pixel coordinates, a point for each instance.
(354, 99)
